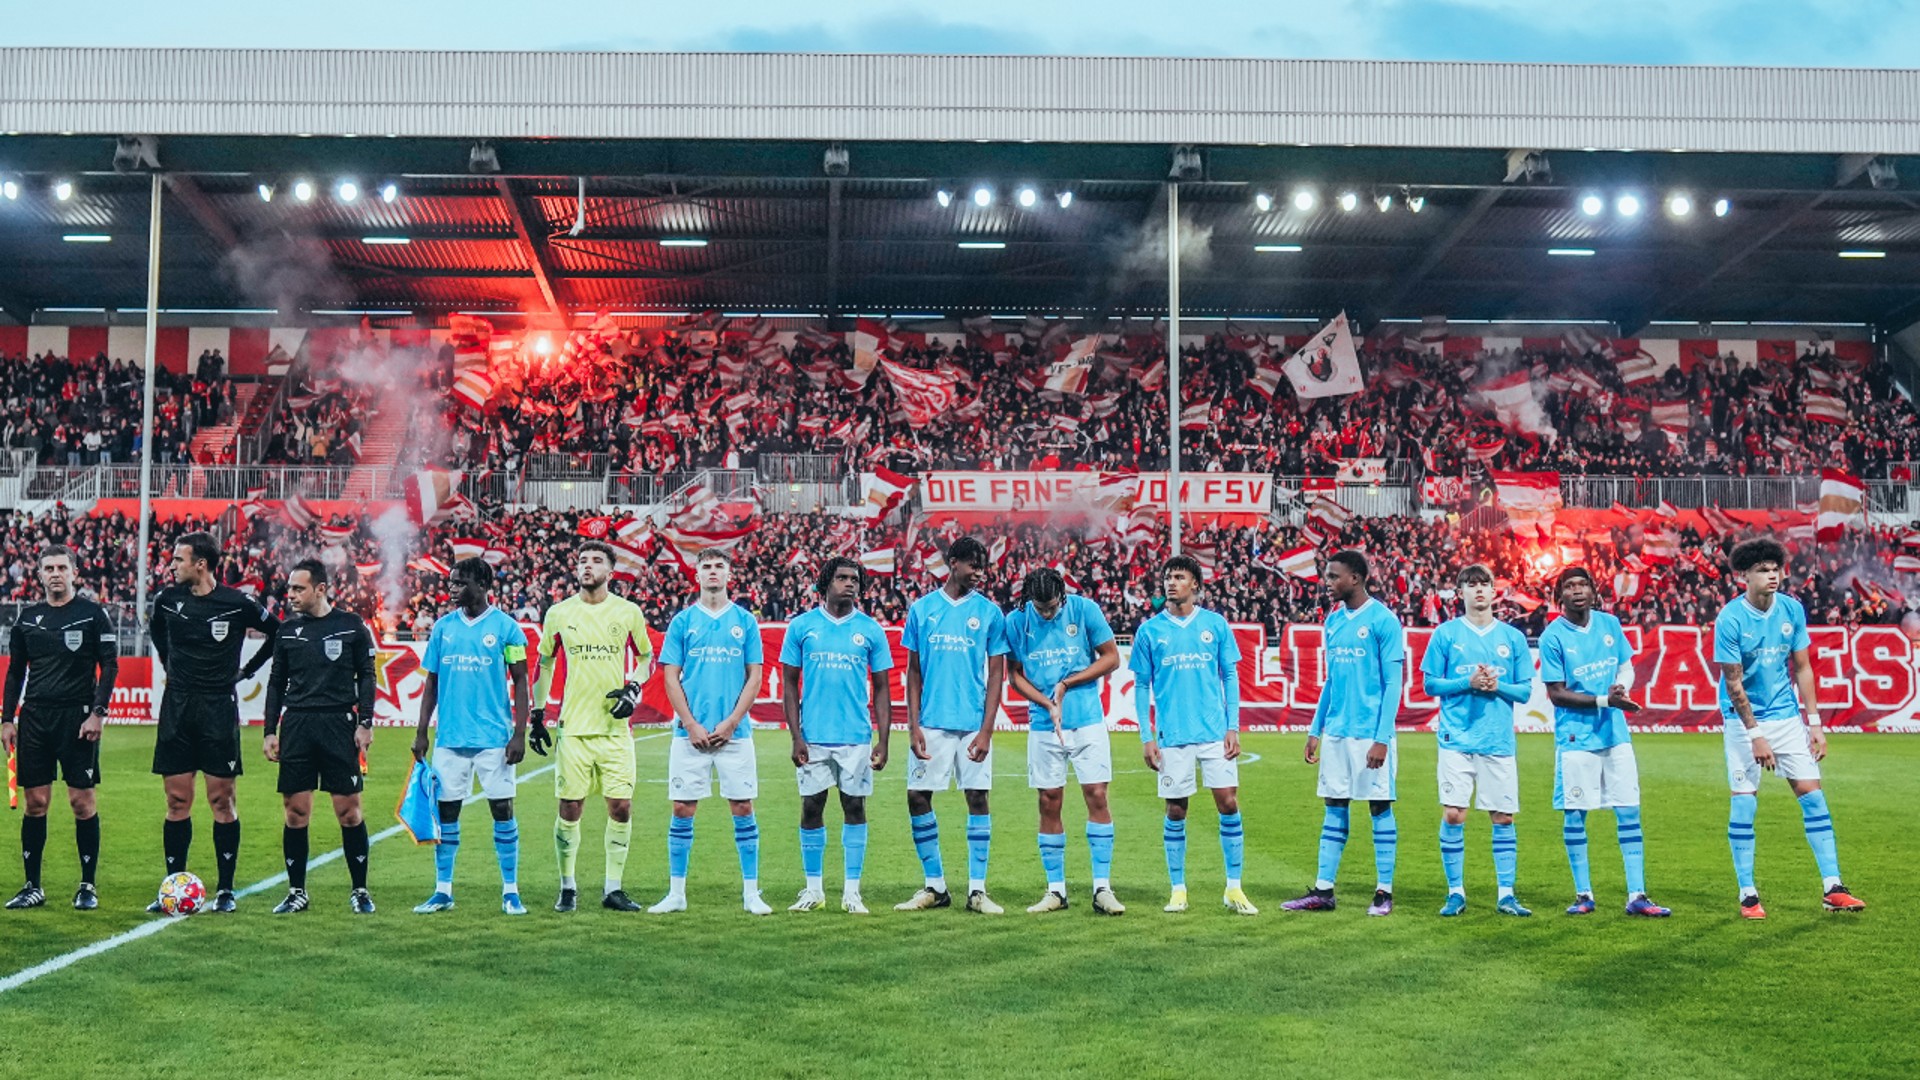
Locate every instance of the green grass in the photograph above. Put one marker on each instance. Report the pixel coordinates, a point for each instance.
(715, 992)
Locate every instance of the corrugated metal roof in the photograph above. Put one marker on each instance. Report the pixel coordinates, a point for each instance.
(585, 95)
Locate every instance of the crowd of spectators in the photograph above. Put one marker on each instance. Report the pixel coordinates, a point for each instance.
(87, 411)
(1849, 582)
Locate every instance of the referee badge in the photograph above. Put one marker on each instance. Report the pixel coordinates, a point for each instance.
(75, 639)
(334, 648)
(219, 629)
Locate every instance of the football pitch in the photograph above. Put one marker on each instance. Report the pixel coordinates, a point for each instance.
(715, 992)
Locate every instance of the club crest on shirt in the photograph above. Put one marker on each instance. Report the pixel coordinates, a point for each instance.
(1607, 640)
(1361, 633)
(1786, 630)
(1503, 651)
(1577, 792)
(219, 628)
(74, 639)
(860, 639)
(737, 633)
(1206, 637)
(489, 641)
(334, 648)
(1073, 630)
(973, 622)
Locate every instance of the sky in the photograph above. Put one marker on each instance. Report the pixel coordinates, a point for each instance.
(1814, 33)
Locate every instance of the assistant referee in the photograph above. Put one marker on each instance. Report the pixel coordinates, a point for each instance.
(323, 681)
(63, 659)
(199, 629)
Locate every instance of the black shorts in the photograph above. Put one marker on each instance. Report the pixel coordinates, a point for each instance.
(50, 740)
(317, 751)
(198, 733)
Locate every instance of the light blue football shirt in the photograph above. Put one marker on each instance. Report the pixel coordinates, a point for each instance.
(1588, 660)
(1763, 644)
(712, 651)
(836, 658)
(1049, 650)
(1187, 663)
(1366, 653)
(469, 658)
(1472, 721)
(954, 639)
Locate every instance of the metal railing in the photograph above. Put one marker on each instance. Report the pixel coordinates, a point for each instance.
(225, 482)
(546, 466)
(638, 489)
(800, 469)
(1690, 492)
(262, 414)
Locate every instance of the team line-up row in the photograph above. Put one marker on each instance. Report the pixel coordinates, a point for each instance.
(476, 723)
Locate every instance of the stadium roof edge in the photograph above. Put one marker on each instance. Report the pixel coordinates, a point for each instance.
(863, 97)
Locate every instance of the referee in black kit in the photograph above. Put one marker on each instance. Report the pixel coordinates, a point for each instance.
(64, 655)
(323, 679)
(199, 628)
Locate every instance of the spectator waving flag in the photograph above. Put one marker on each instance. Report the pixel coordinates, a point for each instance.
(474, 389)
(299, 513)
(881, 491)
(924, 395)
(1070, 370)
(1637, 368)
(1842, 497)
(466, 547)
(1327, 365)
(1826, 408)
(878, 562)
(1673, 416)
(1150, 375)
(1530, 498)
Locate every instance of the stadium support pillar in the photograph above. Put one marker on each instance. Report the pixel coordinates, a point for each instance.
(1173, 363)
(144, 560)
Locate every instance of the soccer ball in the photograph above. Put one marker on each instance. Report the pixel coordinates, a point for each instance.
(182, 894)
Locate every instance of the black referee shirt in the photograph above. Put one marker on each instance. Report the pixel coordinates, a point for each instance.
(199, 638)
(63, 649)
(322, 665)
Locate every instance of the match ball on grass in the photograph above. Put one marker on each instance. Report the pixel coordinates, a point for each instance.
(182, 894)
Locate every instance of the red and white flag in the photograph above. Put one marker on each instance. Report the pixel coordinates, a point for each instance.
(427, 564)
(881, 491)
(1673, 416)
(1667, 509)
(1530, 498)
(933, 562)
(1638, 368)
(1659, 548)
(473, 389)
(1195, 417)
(1842, 496)
(1826, 408)
(1511, 398)
(1150, 375)
(879, 562)
(299, 513)
(1070, 370)
(629, 561)
(1329, 514)
(367, 570)
(467, 547)
(1487, 450)
(923, 394)
(1628, 586)
(433, 495)
(336, 535)
(1300, 562)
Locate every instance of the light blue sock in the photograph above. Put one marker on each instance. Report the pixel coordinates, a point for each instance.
(1453, 855)
(1100, 849)
(1386, 844)
(813, 852)
(1053, 860)
(506, 848)
(1819, 826)
(679, 846)
(1174, 835)
(853, 843)
(746, 838)
(444, 852)
(1506, 855)
(1633, 849)
(1574, 833)
(1740, 837)
(1333, 843)
(1233, 844)
(926, 844)
(979, 840)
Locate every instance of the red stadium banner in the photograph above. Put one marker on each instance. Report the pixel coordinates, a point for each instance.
(1200, 493)
(1866, 676)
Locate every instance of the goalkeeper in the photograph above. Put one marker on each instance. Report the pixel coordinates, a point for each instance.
(603, 639)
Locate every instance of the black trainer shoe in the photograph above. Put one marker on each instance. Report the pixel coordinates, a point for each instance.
(156, 908)
(569, 899)
(296, 901)
(617, 900)
(362, 902)
(85, 899)
(31, 896)
(224, 902)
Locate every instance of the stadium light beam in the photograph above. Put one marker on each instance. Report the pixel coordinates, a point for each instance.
(983, 245)
(1383, 202)
(1348, 200)
(1262, 201)
(389, 191)
(1416, 203)
(1627, 206)
(1064, 198)
(1591, 205)
(684, 241)
(1305, 200)
(1276, 248)
(63, 190)
(303, 190)
(1679, 206)
(87, 238)
(1721, 208)
(983, 196)
(1027, 197)
(386, 241)
(1861, 253)
(543, 345)
(1571, 252)
(347, 191)
(265, 191)
(10, 190)
(943, 197)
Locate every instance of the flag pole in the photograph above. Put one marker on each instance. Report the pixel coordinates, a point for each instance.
(143, 557)
(1173, 363)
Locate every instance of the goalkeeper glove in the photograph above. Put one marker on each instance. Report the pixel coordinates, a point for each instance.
(538, 739)
(624, 700)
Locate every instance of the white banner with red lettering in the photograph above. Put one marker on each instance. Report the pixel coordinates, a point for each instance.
(1200, 493)
(1866, 676)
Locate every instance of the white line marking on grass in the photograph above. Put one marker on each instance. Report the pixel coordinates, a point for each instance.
(154, 926)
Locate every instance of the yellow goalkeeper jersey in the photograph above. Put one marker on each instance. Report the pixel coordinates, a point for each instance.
(602, 642)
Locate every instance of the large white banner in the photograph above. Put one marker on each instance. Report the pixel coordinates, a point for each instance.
(1200, 493)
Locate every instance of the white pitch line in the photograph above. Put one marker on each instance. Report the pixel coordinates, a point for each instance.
(154, 926)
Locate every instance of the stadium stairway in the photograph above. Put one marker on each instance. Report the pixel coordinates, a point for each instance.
(208, 442)
(380, 446)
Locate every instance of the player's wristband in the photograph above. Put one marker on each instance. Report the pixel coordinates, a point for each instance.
(1813, 721)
